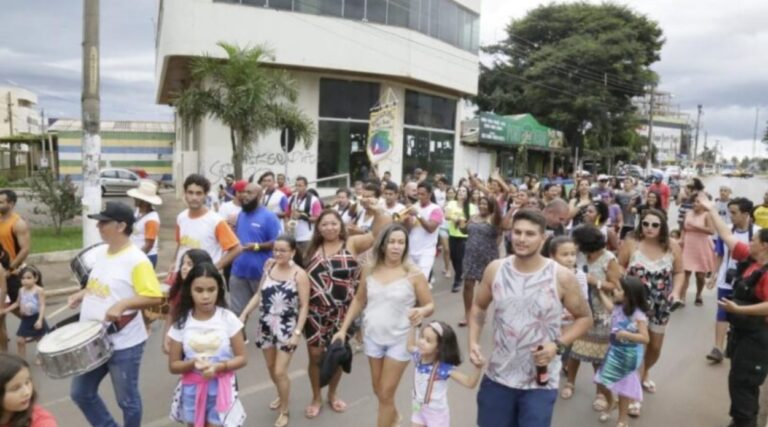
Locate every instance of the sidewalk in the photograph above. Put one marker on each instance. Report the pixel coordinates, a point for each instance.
(59, 280)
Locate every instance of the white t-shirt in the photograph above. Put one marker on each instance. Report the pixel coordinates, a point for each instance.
(125, 274)
(209, 338)
(346, 216)
(419, 239)
(139, 234)
(728, 262)
(276, 201)
(303, 227)
(395, 209)
(438, 398)
(208, 232)
(229, 211)
(439, 197)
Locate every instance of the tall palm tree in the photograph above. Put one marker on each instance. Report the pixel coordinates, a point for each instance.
(246, 95)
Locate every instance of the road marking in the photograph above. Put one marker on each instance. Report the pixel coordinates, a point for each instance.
(256, 388)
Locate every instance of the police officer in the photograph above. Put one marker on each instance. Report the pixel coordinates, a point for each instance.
(747, 314)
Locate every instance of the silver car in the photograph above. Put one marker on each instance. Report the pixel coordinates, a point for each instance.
(117, 181)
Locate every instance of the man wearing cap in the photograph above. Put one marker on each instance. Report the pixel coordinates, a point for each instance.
(663, 189)
(121, 283)
(229, 192)
(602, 191)
(147, 226)
(231, 209)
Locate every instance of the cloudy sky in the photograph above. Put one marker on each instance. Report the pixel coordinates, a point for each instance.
(712, 57)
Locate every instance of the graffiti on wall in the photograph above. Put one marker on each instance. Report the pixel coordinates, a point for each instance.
(257, 163)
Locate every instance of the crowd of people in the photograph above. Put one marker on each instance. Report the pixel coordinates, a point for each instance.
(583, 270)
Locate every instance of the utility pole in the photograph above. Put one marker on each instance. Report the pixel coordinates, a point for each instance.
(91, 118)
(696, 139)
(10, 114)
(754, 138)
(650, 131)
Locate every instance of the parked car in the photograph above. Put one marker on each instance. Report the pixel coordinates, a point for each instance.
(689, 173)
(140, 172)
(673, 172)
(117, 181)
(742, 173)
(727, 171)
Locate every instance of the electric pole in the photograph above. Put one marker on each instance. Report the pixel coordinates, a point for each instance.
(696, 138)
(91, 121)
(754, 138)
(650, 130)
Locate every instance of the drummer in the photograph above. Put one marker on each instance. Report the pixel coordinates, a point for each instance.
(121, 283)
(147, 225)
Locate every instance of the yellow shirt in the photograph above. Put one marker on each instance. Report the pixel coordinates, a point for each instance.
(761, 216)
(452, 210)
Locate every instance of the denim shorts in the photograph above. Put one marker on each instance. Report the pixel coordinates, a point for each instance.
(397, 351)
(188, 393)
(498, 405)
(721, 315)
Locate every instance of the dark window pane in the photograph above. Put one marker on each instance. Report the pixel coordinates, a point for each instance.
(344, 99)
(435, 16)
(281, 4)
(475, 33)
(354, 9)
(414, 11)
(428, 150)
(341, 149)
(252, 2)
(424, 19)
(377, 11)
(308, 6)
(330, 7)
(448, 28)
(429, 111)
(397, 14)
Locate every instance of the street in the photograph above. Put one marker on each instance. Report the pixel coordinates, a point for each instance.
(690, 392)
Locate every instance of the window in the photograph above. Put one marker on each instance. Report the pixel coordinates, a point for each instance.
(341, 149)
(281, 4)
(434, 17)
(377, 11)
(448, 28)
(108, 174)
(397, 13)
(429, 150)
(330, 7)
(424, 20)
(308, 6)
(354, 9)
(344, 99)
(414, 12)
(429, 110)
(252, 2)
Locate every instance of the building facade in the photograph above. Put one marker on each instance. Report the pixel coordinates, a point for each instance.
(346, 56)
(18, 112)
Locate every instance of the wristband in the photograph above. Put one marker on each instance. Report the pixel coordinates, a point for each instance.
(255, 247)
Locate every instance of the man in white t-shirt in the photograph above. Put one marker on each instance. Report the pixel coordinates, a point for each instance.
(344, 206)
(739, 210)
(197, 227)
(304, 209)
(273, 198)
(121, 283)
(442, 186)
(146, 229)
(231, 209)
(423, 220)
(391, 205)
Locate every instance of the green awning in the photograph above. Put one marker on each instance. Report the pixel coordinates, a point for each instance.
(521, 129)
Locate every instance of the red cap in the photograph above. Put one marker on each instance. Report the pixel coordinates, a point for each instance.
(239, 186)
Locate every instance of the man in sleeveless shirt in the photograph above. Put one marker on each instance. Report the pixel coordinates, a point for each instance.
(530, 293)
(14, 238)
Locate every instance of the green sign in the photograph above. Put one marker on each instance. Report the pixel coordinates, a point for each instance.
(522, 129)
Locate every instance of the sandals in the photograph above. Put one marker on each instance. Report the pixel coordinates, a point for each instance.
(634, 409)
(338, 405)
(567, 391)
(600, 404)
(698, 302)
(282, 420)
(274, 404)
(463, 323)
(606, 414)
(649, 386)
(313, 410)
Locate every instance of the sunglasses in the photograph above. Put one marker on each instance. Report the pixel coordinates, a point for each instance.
(651, 224)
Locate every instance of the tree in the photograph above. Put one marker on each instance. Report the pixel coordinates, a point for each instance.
(765, 136)
(569, 64)
(245, 94)
(57, 199)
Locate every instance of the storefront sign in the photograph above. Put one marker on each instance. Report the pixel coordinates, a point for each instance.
(381, 129)
(517, 130)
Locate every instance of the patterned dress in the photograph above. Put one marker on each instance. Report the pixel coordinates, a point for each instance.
(593, 347)
(333, 282)
(279, 313)
(481, 247)
(657, 276)
(620, 371)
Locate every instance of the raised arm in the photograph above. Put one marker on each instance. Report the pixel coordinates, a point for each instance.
(483, 298)
(720, 226)
(363, 242)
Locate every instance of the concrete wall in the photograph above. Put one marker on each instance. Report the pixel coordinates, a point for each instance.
(23, 117)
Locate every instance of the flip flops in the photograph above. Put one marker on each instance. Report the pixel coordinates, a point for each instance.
(313, 410)
(338, 405)
(649, 386)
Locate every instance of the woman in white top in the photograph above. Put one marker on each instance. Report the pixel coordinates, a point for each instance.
(394, 294)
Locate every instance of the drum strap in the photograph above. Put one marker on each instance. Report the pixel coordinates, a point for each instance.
(122, 322)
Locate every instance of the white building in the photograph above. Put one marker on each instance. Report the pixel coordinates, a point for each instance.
(18, 113)
(345, 55)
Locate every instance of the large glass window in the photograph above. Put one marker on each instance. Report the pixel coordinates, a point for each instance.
(397, 13)
(377, 11)
(429, 150)
(429, 110)
(414, 12)
(281, 4)
(448, 28)
(354, 9)
(345, 99)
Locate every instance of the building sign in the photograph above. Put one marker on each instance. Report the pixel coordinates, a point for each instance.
(521, 129)
(381, 129)
(666, 140)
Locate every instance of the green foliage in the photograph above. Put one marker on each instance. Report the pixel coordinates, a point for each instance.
(50, 239)
(246, 94)
(568, 64)
(56, 198)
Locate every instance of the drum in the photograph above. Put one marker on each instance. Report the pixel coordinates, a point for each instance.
(74, 349)
(82, 264)
(160, 310)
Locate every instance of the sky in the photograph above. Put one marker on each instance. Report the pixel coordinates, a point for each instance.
(711, 57)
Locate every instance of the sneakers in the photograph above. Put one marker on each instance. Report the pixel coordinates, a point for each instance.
(715, 356)
(456, 287)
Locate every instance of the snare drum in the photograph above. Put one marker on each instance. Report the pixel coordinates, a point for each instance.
(83, 263)
(160, 310)
(74, 349)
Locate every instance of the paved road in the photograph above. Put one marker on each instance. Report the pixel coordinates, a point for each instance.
(691, 393)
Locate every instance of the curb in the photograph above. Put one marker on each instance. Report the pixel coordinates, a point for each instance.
(50, 257)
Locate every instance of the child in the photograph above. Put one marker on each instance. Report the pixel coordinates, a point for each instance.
(206, 348)
(436, 355)
(563, 250)
(629, 334)
(190, 259)
(31, 305)
(18, 396)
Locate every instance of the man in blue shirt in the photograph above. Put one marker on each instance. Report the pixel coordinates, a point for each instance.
(256, 228)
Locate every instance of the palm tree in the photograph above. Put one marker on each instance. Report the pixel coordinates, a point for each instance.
(246, 95)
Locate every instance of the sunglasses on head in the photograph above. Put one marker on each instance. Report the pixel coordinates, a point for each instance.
(651, 224)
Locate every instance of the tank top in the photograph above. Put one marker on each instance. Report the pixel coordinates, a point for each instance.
(527, 313)
(386, 314)
(653, 273)
(7, 238)
(29, 302)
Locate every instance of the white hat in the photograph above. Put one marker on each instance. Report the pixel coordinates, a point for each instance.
(147, 191)
(603, 178)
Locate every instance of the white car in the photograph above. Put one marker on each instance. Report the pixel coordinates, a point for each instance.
(673, 172)
(688, 173)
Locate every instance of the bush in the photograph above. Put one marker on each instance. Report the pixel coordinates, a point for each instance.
(57, 199)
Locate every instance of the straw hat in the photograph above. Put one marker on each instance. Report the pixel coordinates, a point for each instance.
(147, 191)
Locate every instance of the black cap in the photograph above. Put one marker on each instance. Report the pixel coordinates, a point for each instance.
(115, 211)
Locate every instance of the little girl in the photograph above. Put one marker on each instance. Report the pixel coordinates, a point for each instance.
(31, 305)
(629, 334)
(563, 250)
(18, 396)
(436, 355)
(190, 259)
(206, 348)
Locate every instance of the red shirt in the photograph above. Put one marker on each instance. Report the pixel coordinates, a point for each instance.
(740, 253)
(662, 189)
(40, 418)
